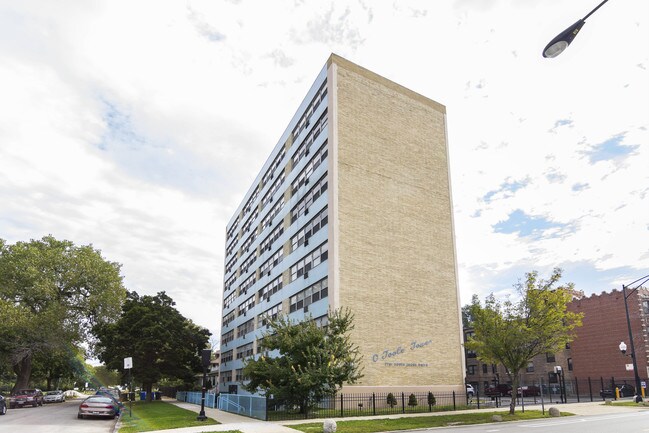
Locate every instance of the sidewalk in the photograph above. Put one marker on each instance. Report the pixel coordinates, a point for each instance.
(231, 421)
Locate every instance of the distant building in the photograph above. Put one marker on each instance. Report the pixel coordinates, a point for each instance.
(595, 351)
(352, 209)
(212, 372)
(540, 370)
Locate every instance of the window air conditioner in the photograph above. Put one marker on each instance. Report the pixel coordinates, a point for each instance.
(306, 211)
(306, 181)
(306, 241)
(306, 274)
(306, 308)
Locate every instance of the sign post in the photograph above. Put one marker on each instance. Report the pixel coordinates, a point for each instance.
(128, 365)
(206, 354)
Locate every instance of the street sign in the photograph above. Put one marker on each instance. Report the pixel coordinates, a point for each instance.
(629, 367)
(643, 384)
(128, 363)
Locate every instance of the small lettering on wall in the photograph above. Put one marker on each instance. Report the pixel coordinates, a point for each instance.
(391, 353)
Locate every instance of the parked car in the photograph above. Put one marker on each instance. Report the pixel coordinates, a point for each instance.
(500, 390)
(529, 391)
(469, 390)
(26, 397)
(54, 397)
(626, 390)
(3, 405)
(100, 406)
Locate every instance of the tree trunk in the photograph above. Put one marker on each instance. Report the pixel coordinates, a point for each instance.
(148, 387)
(515, 383)
(23, 370)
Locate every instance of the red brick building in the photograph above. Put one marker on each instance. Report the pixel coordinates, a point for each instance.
(595, 351)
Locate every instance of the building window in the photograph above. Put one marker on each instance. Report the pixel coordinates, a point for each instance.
(227, 356)
(267, 243)
(309, 229)
(494, 369)
(303, 123)
(245, 351)
(268, 198)
(227, 337)
(470, 369)
(549, 357)
(245, 328)
(248, 304)
(268, 219)
(309, 295)
(569, 364)
(568, 345)
(530, 367)
(229, 300)
(229, 318)
(322, 321)
(270, 173)
(302, 207)
(240, 377)
(484, 368)
(268, 315)
(310, 261)
(270, 289)
(305, 174)
(226, 376)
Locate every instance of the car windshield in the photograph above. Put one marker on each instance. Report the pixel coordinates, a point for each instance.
(27, 391)
(99, 400)
(53, 392)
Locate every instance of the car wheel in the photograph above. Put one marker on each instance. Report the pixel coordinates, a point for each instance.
(35, 404)
(79, 416)
(3, 410)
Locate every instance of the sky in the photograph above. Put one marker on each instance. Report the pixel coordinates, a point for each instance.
(138, 127)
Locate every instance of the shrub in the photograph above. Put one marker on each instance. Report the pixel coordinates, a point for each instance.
(431, 399)
(391, 401)
(412, 400)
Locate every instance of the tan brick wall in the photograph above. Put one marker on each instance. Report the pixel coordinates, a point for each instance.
(392, 231)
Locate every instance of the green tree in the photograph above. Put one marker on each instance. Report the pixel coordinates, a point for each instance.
(162, 343)
(51, 293)
(412, 400)
(512, 333)
(313, 362)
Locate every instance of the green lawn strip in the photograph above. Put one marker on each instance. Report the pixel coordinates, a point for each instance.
(407, 423)
(346, 413)
(158, 415)
(630, 403)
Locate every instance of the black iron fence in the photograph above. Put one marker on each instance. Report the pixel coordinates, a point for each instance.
(350, 405)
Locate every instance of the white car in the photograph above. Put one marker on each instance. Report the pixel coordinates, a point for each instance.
(54, 397)
(469, 390)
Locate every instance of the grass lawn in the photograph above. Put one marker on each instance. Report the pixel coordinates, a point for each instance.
(379, 425)
(335, 413)
(158, 415)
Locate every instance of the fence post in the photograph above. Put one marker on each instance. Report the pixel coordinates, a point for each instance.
(374, 403)
(601, 379)
(613, 388)
(454, 408)
(341, 406)
(477, 394)
(403, 403)
(590, 389)
(577, 389)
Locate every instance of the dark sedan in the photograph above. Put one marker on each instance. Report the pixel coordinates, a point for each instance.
(626, 390)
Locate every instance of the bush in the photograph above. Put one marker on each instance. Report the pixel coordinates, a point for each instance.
(391, 401)
(412, 400)
(431, 399)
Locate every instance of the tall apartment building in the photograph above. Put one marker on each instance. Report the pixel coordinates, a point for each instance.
(352, 209)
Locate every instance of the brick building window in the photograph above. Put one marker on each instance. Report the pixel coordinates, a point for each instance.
(549, 357)
(569, 364)
(530, 367)
(470, 369)
(484, 368)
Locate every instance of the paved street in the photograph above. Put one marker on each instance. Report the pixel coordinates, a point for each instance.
(636, 422)
(53, 418)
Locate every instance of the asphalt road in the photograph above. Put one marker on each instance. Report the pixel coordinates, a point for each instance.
(632, 422)
(53, 418)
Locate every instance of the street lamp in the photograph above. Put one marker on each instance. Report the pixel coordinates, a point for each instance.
(563, 39)
(640, 281)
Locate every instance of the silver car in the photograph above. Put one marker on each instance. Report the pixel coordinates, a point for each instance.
(54, 397)
(98, 405)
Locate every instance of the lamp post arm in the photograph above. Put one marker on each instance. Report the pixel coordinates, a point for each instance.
(593, 11)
